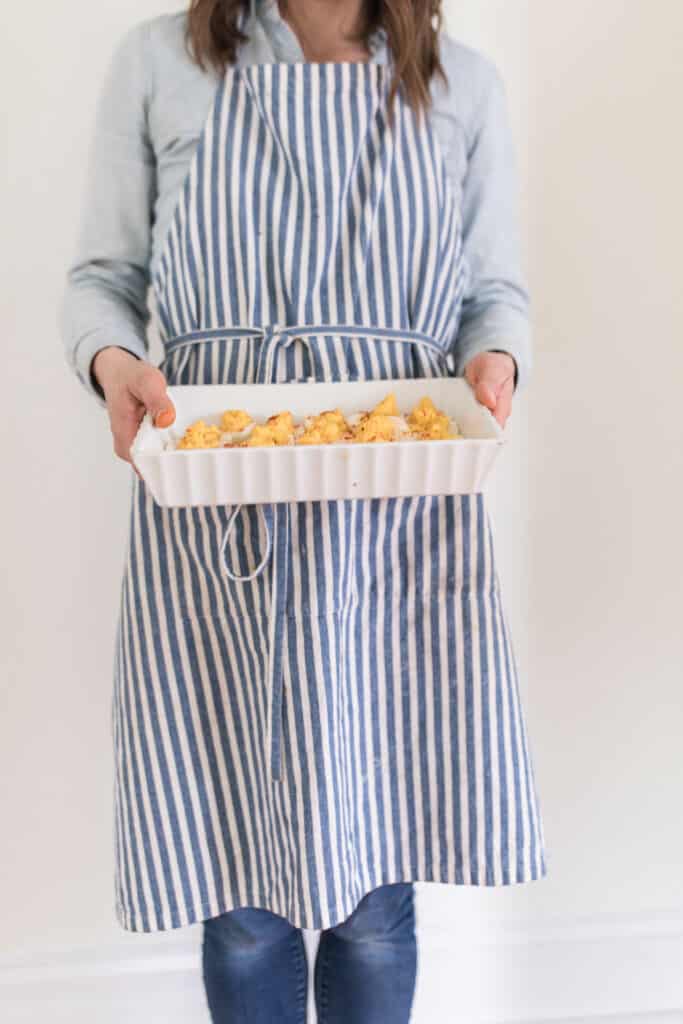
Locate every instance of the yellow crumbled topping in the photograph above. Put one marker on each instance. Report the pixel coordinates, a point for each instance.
(279, 429)
(234, 420)
(200, 435)
(428, 423)
(383, 423)
(375, 427)
(326, 428)
(387, 407)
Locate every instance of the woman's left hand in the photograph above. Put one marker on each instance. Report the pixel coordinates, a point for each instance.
(491, 376)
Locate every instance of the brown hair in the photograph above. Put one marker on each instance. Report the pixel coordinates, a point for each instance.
(412, 28)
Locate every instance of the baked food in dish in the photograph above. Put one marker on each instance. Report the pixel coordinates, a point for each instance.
(384, 423)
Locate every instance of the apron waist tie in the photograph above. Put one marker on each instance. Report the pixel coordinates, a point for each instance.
(276, 521)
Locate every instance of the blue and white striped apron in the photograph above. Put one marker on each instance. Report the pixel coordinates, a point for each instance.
(340, 708)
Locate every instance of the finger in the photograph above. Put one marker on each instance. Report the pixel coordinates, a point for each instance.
(504, 403)
(496, 377)
(150, 388)
(125, 417)
(124, 427)
(122, 449)
(484, 392)
(123, 442)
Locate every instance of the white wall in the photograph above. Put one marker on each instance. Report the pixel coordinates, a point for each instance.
(585, 508)
(64, 511)
(607, 449)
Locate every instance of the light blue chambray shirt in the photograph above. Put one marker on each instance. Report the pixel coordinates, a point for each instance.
(150, 114)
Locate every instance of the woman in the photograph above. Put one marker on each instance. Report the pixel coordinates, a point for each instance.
(317, 189)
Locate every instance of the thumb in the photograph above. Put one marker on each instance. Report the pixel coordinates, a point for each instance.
(150, 389)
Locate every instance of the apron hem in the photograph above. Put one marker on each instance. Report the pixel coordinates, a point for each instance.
(182, 918)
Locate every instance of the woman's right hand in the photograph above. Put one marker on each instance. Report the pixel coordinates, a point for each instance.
(131, 388)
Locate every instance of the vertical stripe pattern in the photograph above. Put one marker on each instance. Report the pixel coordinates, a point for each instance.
(314, 240)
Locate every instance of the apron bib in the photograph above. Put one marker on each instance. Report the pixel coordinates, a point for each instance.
(313, 699)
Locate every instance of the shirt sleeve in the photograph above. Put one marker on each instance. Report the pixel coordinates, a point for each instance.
(105, 300)
(495, 313)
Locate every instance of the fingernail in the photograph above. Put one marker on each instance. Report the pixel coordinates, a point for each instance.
(164, 418)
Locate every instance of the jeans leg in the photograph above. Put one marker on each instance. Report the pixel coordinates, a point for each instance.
(366, 967)
(254, 968)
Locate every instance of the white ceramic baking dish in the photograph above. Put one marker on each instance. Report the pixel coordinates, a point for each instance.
(228, 476)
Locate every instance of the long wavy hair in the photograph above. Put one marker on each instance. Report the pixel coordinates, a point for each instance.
(412, 27)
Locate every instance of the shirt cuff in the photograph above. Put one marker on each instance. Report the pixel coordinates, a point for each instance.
(505, 352)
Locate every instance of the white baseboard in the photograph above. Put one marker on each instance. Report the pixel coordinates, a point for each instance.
(639, 1018)
(602, 970)
(605, 968)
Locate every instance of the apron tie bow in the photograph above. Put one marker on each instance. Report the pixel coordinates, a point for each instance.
(276, 518)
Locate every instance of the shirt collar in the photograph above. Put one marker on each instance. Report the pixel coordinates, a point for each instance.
(267, 28)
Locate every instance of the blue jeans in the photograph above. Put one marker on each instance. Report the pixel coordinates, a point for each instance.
(255, 969)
